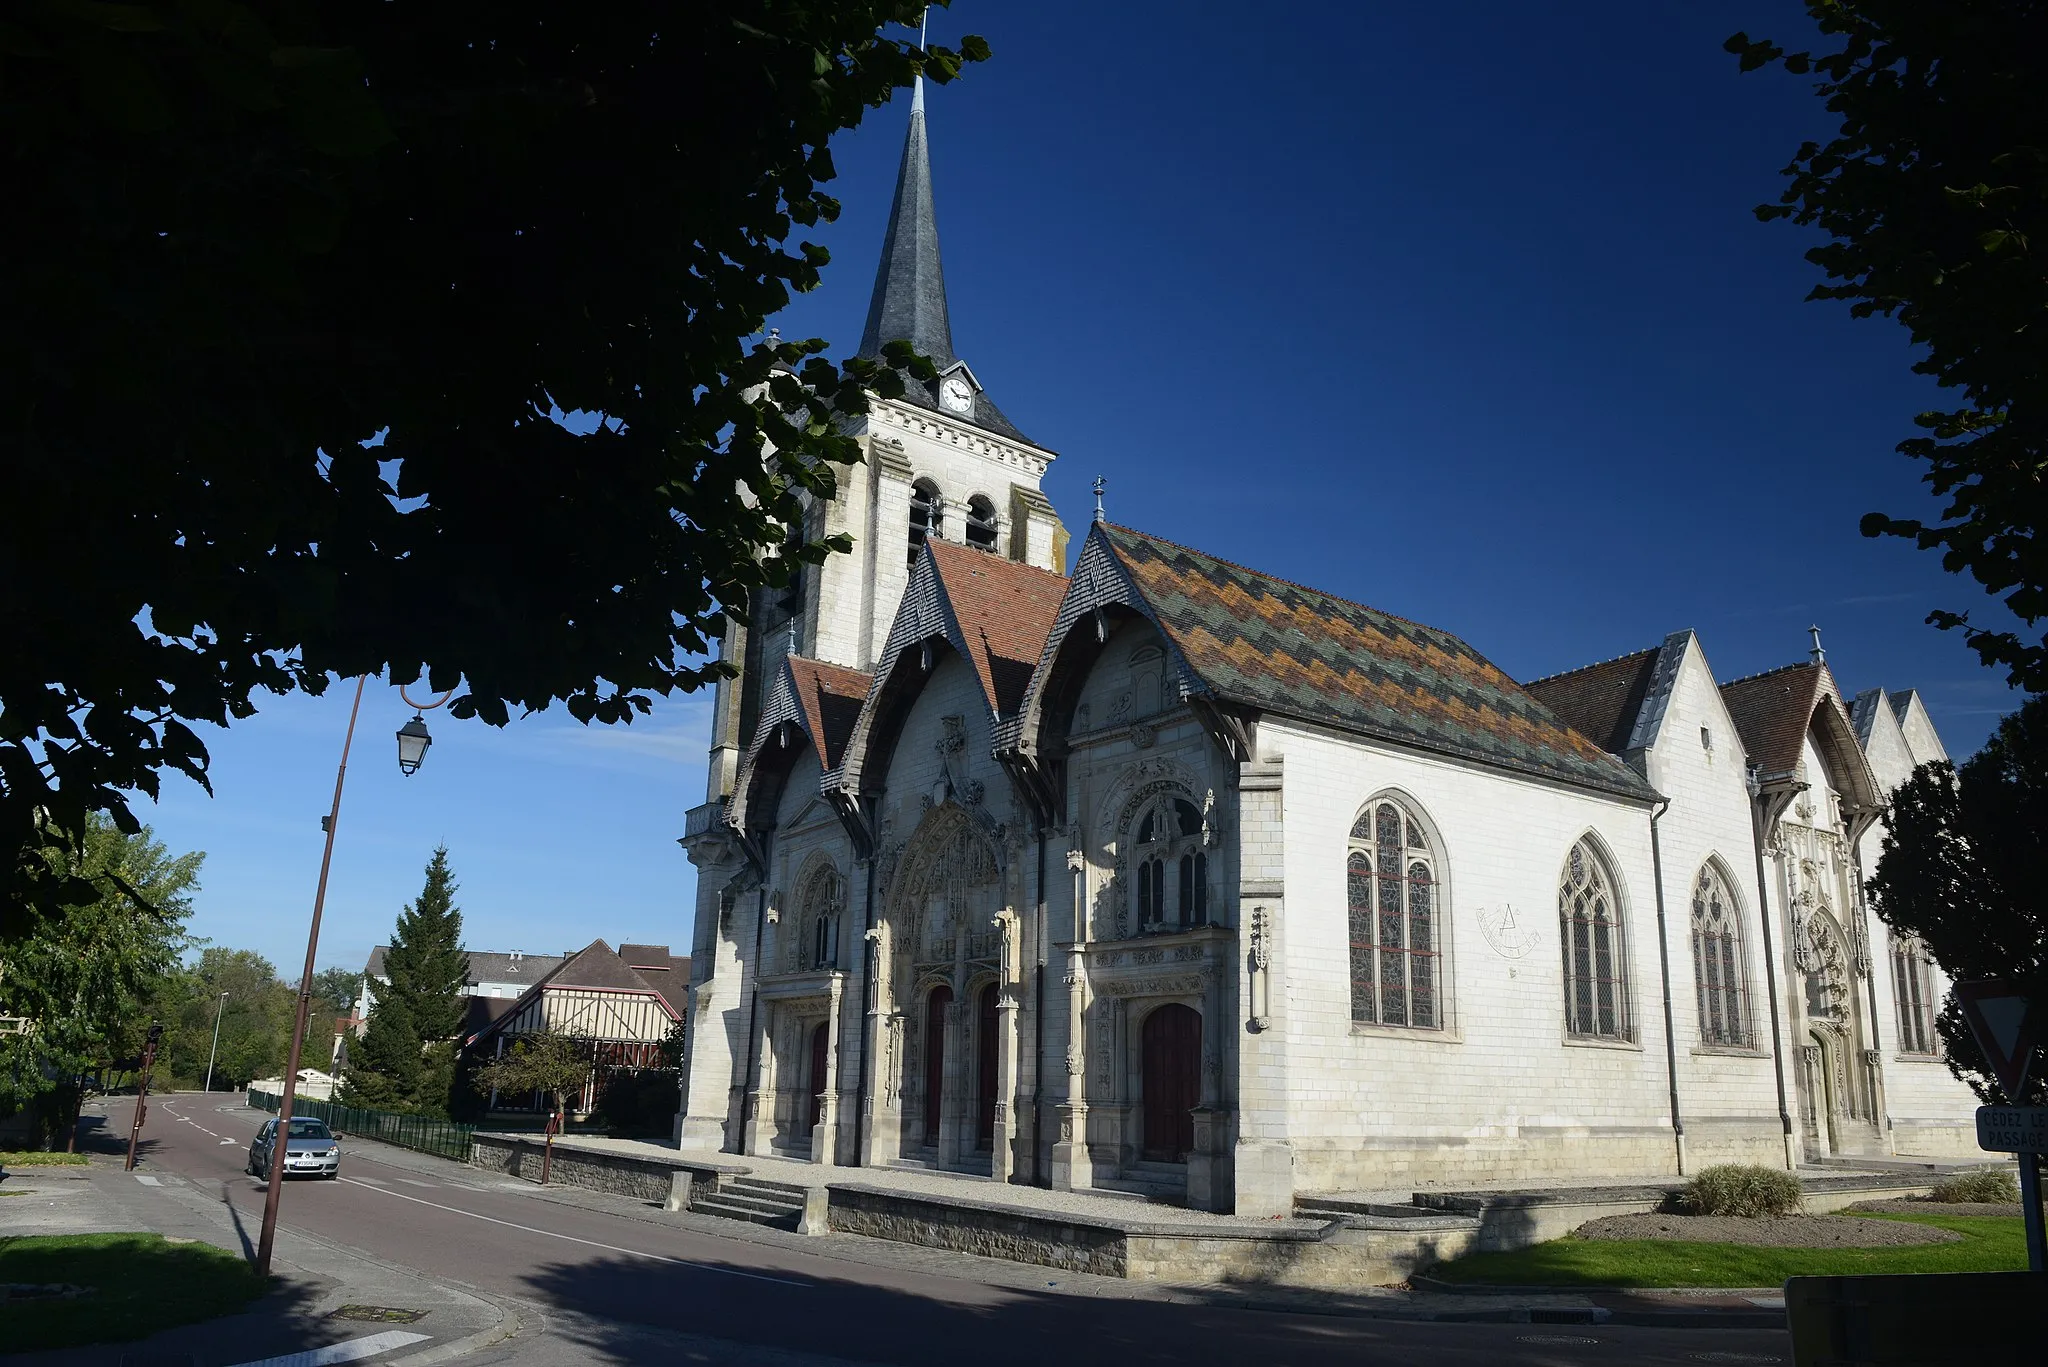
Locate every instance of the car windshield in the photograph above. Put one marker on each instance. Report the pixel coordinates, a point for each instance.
(310, 1129)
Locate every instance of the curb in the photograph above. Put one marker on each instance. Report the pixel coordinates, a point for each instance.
(508, 1326)
(1674, 1317)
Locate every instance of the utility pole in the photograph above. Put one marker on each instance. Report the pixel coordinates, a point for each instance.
(215, 1052)
(156, 1032)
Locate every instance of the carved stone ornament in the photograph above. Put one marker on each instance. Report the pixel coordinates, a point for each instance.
(1144, 735)
(952, 735)
(1077, 860)
(1077, 1061)
(971, 793)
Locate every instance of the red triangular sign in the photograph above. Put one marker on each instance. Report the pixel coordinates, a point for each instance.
(2006, 1026)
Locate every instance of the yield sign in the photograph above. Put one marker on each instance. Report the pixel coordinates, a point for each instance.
(2007, 1028)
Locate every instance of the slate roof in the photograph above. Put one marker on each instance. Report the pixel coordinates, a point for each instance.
(1004, 610)
(1261, 641)
(485, 966)
(909, 302)
(1601, 701)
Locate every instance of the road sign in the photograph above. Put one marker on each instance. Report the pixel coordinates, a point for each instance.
(2012, 1129)
(2007, 1027)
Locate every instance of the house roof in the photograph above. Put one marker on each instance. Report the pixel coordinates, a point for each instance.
(1003, 610)
(1261, 641)
(485, 966)
(598, 967)
(1773, 712)
(1601, 701)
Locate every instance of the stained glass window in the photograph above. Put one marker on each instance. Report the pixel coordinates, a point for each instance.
(1595, 965)
(1390, 892)
(1717, 964)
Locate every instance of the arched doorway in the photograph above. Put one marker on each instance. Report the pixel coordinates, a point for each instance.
(1171, 1060)
(821, 1040)
(985, 1069)
(935, 1007)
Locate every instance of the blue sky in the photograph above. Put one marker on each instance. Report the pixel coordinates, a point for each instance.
(1460, 311)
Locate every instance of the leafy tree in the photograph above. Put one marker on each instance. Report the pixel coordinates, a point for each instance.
(555, 1065)
(1934, 191)
(335, 990)
(83, 978)
(384, 1065)
(255, 1020)
(313, 285)
(1965, 868)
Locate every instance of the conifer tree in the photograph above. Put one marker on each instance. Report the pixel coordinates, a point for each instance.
(405, 1061)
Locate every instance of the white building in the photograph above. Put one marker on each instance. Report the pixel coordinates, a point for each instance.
(1176, 877)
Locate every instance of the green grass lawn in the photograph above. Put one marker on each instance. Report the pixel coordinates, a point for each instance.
(1989, 1244)
(42, 1160)
(142, 1283)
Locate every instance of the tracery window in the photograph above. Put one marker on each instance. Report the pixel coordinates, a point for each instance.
(816, 944)
(1913, 988)
(927, 515)
(981, 523)
(1391, 882)
(1170, 848)
(1595, 958)
(1718, 970)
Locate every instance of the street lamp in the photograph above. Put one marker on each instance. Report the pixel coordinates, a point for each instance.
(413, 741)
(215, 1052)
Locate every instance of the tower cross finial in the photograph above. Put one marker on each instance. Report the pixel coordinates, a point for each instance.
(1100, 485)
(917, 85)
(1820, 657)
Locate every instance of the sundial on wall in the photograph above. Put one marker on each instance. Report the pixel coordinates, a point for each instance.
(1505, 929)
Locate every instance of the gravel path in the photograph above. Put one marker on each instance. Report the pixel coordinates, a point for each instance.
(1790, 1231)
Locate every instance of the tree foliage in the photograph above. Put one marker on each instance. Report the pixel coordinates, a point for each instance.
(384, 1066)
(84, 978)
(335, 990)
(313, 285)
(1965, 868)
(1934, 193)
(553, 1064)
(255, 1020)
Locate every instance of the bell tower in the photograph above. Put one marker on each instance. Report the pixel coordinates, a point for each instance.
(941, 461)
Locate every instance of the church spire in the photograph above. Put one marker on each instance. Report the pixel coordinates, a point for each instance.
(909, 303)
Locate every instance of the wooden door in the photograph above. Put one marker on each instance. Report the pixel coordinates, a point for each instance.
(985, 1070)
(821, 1040)
(1171, 1060)
(935, 1007)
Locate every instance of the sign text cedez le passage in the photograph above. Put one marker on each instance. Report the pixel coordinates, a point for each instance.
(2012, 1129)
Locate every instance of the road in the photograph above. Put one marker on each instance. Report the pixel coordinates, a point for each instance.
(613, 1285)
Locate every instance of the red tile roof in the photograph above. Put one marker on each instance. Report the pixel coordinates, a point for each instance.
(1601, 701)
(830, 696)
(1005, 610)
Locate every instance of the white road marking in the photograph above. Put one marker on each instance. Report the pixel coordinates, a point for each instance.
(590, 1243)
(415, 1182)
(350, 1350)
(372, 1181)
(147, 1180)
(229, 1141)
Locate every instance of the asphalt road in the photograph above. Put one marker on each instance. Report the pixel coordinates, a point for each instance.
(612, 1288)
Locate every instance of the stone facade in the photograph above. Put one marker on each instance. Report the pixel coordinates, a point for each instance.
(1172, 878)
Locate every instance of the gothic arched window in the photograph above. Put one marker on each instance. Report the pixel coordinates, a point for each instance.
(1718, 969)
(927, 515)
(1391, 884)
(1913, 986)
(816, 944)
(981, 523)
(1169, 848)
(1595, 955)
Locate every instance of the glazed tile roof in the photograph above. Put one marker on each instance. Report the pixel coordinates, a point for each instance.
(1004, 610)
(1274, 645)
(1601, 701)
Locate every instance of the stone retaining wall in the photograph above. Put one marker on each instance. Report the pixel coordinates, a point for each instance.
(645, 1177)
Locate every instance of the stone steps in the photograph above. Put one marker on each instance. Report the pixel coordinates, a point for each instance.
(756, 1200)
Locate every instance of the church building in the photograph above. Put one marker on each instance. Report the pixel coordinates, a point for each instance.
(1152, 873)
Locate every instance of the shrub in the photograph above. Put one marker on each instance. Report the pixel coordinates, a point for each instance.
(1979, 1184)
(1741, 1189)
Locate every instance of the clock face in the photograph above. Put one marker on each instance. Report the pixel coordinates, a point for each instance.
(955, 393)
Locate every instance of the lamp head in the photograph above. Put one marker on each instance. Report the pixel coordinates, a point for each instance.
(413, 741)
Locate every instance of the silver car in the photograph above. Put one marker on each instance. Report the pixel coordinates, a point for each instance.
(313, 1150)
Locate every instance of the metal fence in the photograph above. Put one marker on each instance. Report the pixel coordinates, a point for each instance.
(426, 1133)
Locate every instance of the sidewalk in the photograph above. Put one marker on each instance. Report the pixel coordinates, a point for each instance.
(324, 1294)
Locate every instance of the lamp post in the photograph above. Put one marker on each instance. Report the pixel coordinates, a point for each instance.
(413, 741)
(214, 1053)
